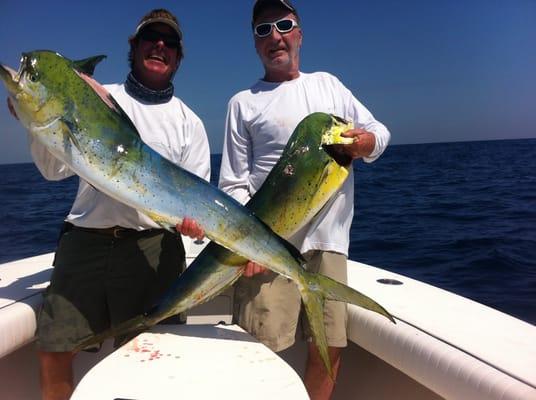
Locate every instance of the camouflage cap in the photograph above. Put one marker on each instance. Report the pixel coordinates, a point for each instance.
(159, 16)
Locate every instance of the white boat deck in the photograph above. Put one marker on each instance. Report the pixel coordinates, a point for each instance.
(197, 361)
(457, 348)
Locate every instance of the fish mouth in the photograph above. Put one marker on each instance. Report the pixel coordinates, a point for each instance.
(333, 136)
(8, 75)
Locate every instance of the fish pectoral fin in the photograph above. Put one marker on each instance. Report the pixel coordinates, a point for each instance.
(69, 128)
(87, 65)
(161, 221)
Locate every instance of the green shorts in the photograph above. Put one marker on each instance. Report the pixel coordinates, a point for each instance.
(99, 281)
(269, 306)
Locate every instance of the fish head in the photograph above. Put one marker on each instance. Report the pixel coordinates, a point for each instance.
(35, 90)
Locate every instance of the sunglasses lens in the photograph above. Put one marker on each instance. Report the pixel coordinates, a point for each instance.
(152, 36)
(285, 25)
(263, 30)
(148, 36)
(171, 44)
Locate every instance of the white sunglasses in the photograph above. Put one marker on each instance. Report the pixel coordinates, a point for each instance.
(284, 25)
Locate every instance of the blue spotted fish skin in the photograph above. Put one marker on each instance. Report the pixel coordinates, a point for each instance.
(82, 125)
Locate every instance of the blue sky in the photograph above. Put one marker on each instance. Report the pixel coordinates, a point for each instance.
(432, 71)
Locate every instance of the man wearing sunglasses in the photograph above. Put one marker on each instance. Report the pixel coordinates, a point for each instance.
(112, 262)
(259, 123)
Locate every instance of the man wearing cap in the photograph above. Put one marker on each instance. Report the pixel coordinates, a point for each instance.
(259, 123)
(112, 262)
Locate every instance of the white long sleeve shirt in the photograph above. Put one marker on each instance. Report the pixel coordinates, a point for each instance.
(171, 129)
(259, 123)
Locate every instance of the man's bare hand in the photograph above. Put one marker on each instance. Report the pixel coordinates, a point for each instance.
(253, 269)
(191, 229)
(363, 144)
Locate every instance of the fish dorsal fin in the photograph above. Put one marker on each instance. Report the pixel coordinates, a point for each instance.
(123, 114)
(107, 98)
(87, 65)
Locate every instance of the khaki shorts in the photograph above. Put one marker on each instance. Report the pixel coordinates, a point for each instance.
(268, 306)
(99, 281)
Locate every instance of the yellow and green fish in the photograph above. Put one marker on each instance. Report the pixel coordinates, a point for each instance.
(83, 126)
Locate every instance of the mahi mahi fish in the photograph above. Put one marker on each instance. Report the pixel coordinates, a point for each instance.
(83, 126)
(298, 186)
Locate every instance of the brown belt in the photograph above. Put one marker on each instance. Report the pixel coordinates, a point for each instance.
(117, 232)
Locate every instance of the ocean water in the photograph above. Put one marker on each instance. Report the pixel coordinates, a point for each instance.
(460, 216)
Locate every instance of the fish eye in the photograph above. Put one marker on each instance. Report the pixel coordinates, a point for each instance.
(32, 77)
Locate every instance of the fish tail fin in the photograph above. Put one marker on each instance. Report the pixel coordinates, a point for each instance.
(317, 288)
(123, 331)
(313, 302)
(333, 290)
